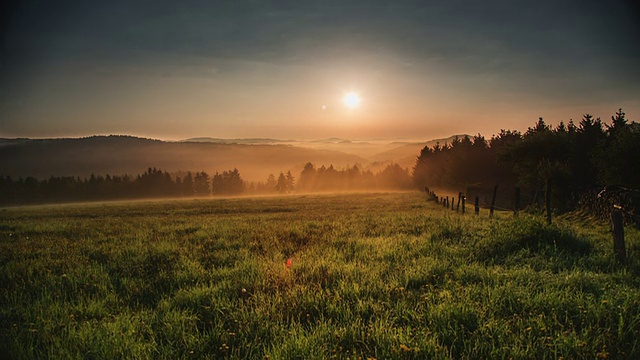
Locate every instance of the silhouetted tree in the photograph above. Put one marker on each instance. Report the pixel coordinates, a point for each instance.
(271, 183)
(584, 142)
(201, 184)
(187, 188)
(307, 178)
(281, 185)
(354, 178)
(227, 183)
(290, 182)
(618, 157)
(619, 124)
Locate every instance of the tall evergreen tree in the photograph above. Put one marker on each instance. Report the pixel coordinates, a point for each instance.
(271, 183)
(201, 184)
(281, 185)
(187, 188)
(306, 180)
(290, 182)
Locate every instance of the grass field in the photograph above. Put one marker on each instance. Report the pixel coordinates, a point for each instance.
(381, 275)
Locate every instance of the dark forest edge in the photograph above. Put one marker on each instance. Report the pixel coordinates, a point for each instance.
(156, 183)
(575, 162)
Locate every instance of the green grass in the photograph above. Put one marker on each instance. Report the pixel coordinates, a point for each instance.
(381, 275)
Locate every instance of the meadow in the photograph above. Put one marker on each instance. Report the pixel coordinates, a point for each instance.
(369, 275)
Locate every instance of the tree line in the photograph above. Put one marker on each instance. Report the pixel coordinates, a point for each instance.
(350, 178)
(158, 183)
(566, 160)
(152, 183)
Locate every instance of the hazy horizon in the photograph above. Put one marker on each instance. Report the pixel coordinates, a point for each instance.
(328, 140)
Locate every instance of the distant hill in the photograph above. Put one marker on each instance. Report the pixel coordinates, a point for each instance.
(119, 155)
(238, 141)
(255, 158)
(405, 154)
(362, 149)
(333, 140)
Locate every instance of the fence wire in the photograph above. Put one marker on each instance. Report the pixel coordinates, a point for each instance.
(597, 200)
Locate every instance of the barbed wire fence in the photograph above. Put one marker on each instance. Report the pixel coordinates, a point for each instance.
(601, 201)
(620, 206)
(481, 200)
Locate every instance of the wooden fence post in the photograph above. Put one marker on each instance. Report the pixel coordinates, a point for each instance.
(464, 200)
(618, 234)
(493, 200)
(447, 203)
(477, 205)
(459, 198)
(453, 203)
(516, 209)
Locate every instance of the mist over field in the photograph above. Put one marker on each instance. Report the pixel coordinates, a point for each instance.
(119, 155)
(255, 158)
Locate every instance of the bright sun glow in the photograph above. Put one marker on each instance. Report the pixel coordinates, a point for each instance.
(351, 100)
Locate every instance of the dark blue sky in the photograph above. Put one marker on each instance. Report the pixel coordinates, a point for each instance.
(175, 69)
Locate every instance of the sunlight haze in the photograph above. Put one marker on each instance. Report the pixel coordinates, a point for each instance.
(243, 69)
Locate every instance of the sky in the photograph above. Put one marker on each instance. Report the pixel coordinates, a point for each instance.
(280, 69)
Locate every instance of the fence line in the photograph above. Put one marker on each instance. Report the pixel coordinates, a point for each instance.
(598, 201)
(617, 205)
(458, 203)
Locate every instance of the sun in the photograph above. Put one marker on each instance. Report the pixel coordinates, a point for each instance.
(351, 100)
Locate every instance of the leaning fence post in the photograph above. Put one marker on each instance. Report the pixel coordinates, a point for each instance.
(453, 203)
(459, 198)
(618, 234)
(477, 205)
(493, 200)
